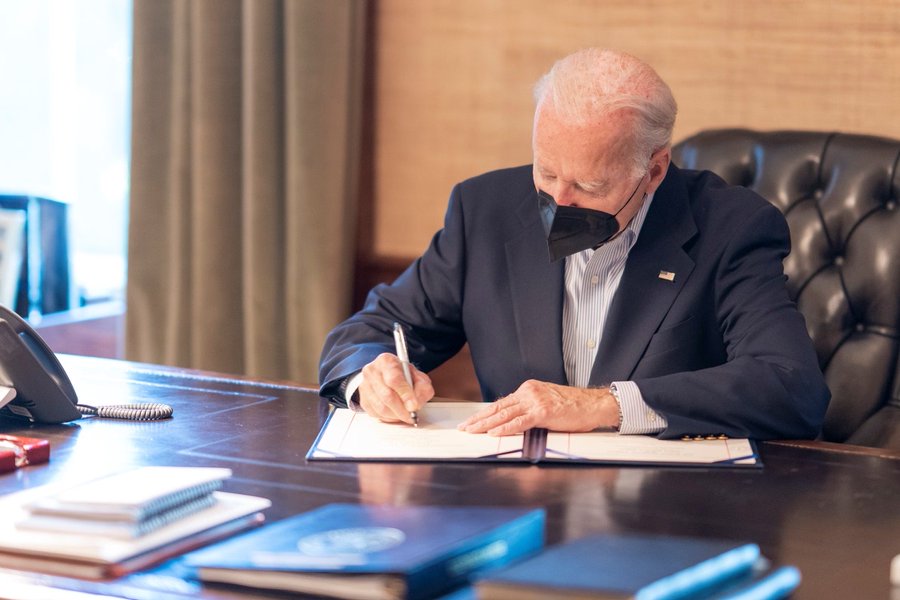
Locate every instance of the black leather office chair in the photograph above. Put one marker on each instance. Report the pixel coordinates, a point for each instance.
(840, 195)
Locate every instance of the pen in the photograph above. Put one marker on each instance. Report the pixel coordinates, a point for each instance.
(403, 355)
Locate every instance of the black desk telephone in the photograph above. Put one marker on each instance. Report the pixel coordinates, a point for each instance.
(43, 392)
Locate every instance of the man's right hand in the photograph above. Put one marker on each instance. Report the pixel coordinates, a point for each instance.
(385, 394)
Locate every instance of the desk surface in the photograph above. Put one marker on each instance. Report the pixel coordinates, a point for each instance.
(827, 509)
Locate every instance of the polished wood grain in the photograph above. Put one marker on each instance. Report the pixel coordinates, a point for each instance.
(831, 510)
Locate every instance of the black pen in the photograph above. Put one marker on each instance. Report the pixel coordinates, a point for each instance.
(403, 355)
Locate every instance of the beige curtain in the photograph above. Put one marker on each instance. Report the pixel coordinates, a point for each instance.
(244, 162)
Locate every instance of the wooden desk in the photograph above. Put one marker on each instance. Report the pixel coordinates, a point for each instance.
(831, 510)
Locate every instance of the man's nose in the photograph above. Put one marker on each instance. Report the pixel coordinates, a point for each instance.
(563, 194)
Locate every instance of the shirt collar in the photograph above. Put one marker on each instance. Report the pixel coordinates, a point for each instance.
(633, 229)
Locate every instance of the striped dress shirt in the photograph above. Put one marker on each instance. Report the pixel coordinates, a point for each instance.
(592, 278)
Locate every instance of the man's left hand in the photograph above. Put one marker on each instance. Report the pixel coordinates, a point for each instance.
(548, 405)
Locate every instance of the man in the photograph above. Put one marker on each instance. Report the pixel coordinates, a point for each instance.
(600, 287)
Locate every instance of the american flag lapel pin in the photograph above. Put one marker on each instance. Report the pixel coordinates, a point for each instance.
(667, 275)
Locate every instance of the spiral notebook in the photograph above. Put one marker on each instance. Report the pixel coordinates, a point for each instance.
(129, 504)
(119, 529)
(100, 557)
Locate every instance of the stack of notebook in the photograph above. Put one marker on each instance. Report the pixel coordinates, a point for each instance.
(122, 522)
(127, 505)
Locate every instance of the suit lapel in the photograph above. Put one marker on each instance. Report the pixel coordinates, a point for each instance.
(655, 273)
(537, 294)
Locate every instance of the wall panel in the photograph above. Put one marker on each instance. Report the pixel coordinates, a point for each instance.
(452, 88)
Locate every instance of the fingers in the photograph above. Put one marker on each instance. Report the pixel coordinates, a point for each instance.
(535, 404)
(507, 416)
(381, 402)
(385, 393)
(489, 411)
(423, 388)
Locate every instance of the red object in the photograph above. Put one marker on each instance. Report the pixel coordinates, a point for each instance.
(25, 451)
(7, 460)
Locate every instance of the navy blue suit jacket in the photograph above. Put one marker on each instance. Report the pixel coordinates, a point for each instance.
(720, 348)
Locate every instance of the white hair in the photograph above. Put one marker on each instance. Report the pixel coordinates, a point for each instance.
(593, 83)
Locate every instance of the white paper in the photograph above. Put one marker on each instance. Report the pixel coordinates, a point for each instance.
(351, 435)
(610, 446)
(357, 435)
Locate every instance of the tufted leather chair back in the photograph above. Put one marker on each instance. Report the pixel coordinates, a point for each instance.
(840, 194)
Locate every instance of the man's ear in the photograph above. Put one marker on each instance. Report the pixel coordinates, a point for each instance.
(659, 166)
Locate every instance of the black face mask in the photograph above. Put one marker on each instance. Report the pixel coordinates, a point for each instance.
(572, 229)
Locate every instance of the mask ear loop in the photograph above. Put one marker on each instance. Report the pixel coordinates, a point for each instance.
(631, 197)
(621, 229)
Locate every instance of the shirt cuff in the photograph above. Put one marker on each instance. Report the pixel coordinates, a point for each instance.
(350, 392)
(637, 416)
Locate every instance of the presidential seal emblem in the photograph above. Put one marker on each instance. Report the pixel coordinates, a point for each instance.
(351, 540)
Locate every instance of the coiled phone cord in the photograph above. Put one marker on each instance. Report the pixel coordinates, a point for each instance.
(132, 412)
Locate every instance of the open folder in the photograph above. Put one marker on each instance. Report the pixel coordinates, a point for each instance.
(354, 436)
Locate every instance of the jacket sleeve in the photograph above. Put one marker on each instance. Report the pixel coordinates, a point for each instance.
(426, 298)
(770, 385)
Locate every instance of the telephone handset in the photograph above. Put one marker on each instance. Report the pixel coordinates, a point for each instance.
(43, 392)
